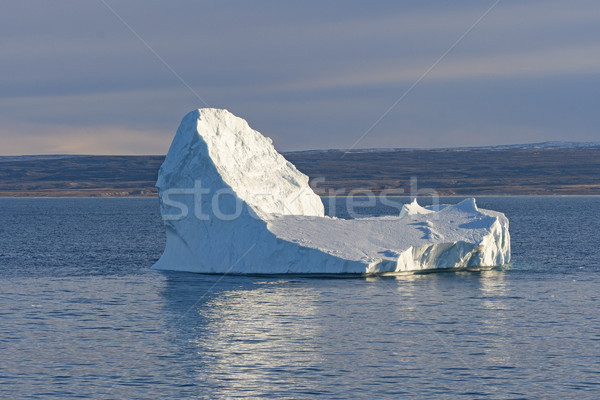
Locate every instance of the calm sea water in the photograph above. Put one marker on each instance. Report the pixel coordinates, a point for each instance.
(82, 315)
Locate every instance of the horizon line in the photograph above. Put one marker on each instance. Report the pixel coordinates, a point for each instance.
(524, 146)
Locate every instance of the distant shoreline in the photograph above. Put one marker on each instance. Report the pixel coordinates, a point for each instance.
(464, 173)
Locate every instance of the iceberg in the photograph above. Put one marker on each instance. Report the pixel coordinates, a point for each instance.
(231, 204)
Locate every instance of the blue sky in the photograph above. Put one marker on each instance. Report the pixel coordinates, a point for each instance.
(310, 74)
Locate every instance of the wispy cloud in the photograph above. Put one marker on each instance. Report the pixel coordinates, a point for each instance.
(581, 59)
(99, 139)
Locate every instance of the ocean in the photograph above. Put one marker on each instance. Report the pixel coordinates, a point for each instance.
(82, 315)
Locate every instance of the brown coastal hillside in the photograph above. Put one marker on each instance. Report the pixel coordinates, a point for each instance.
(555, 171)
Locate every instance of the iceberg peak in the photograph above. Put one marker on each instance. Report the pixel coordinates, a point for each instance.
(224, 152)
(414, 209)
(467, 205)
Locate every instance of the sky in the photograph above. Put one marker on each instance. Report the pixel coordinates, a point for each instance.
(116, 77)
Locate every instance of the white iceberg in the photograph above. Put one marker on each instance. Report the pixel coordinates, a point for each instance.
(232, 204)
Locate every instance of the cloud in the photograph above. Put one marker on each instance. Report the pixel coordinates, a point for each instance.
(310, 74)
(582, 59)
(30, 139)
